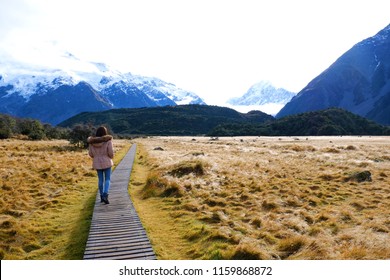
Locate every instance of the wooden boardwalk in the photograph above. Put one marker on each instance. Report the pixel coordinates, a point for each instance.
(116, 231)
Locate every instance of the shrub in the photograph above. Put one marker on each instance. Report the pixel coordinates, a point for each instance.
(56, 132)
(31, 128)
(6, 125)
(79, 134)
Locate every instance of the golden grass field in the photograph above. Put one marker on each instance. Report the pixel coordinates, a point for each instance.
(48, 189)
(264, 197)
(231, 198)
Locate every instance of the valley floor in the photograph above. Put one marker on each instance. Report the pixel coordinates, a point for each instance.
(265, 197)
(203, 198)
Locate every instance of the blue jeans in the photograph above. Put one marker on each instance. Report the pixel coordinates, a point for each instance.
(104, 176)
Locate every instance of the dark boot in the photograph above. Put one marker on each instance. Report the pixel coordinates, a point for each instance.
(101, 198)
(105, 198)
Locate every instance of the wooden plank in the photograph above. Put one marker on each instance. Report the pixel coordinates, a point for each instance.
(140, 256)
(124, 248)
(103, 244)
(116, 231)
(113, 251)
(121, 254)
(120, 241)
(117, 227)
(99, 238)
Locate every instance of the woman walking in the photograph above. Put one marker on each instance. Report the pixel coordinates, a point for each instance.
(102, 152)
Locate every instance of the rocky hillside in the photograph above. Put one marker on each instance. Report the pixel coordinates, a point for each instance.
(359, 81)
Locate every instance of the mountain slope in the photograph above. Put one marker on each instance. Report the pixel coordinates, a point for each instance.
(222, 121)
(169, 120)
(53, 95)
(164, 93)
(359, 81)
(263, 93)
(64, 102)
(125, 95)
(332, 121)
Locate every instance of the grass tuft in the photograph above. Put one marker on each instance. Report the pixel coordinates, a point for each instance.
(158, 186)
(155, 186)
(269, 205)
(247, 252)
(291, 246)
(363, 176)
(188, 167)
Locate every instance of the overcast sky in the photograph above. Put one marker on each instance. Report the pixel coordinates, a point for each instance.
(215, 48)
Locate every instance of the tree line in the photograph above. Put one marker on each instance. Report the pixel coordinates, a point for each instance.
(332, 121)
(192, 120)
(31, 129)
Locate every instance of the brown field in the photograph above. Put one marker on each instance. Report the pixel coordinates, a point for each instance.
(47, 195)
(265, 197)
(231, 198)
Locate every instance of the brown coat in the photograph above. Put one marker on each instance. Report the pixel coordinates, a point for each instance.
(102, 154)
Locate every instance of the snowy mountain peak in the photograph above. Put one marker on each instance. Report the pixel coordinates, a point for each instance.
(177, 95)
(262, 96)
(263, 93)
(76, 86)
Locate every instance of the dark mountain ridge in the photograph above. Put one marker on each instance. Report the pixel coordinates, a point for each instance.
(359, 81)
(168, 120)
(220, 121)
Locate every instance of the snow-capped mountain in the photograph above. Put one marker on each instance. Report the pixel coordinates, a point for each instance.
(263, 93)
(53, 95)
(161, 91)
(358, 81)
(265, 96)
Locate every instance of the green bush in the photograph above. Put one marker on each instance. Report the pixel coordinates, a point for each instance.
(33, 129)
(6, 125)
(79, 134)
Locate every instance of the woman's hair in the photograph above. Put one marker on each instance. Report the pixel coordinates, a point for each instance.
(101, 131)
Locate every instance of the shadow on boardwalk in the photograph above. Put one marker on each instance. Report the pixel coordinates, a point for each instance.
(116, 231)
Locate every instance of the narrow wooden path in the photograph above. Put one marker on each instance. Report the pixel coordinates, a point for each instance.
(116, 231)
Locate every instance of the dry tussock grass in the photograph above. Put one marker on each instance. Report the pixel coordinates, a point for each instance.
(47, 194)
(275, 198)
